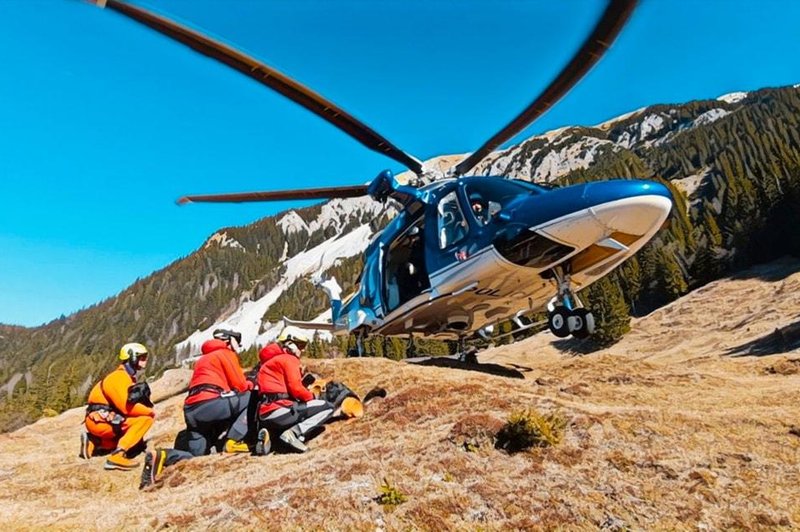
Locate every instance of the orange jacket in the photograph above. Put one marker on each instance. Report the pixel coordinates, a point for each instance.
(113, 391)
(219, 366)
(280, 373)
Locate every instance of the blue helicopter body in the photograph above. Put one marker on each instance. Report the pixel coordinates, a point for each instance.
(465, 253)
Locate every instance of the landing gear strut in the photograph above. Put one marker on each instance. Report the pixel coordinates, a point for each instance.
(565, 313)
(466, 354)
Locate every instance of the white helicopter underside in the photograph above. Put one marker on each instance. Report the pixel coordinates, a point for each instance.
(486, 288)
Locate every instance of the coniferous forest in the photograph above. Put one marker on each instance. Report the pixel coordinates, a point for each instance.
(733, 168)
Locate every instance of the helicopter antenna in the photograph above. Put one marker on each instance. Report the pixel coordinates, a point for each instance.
(269, 77)
(609, 26)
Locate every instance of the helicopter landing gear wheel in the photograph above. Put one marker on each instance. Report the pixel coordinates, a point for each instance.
(581, 323)
(557, 320)
(566, 313)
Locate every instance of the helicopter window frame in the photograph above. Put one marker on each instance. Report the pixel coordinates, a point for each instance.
(494, 198)
(454, 230)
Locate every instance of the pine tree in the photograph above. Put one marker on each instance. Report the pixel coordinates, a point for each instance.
(672, 278)
(611, 313)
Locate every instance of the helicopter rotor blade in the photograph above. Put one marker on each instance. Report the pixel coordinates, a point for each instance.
(608, 27)
(279, 195)
(269, 77)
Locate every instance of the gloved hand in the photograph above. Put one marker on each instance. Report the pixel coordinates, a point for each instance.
(308, 379)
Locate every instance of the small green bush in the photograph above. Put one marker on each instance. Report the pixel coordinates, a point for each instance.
(389, 495)
(529, 428)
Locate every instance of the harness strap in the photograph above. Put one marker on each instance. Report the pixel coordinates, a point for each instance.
(194, 390)
(96, 407)
(108, 415)
(267, 398)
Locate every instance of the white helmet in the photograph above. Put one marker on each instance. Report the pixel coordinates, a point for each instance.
(293, 339)
(291, 333)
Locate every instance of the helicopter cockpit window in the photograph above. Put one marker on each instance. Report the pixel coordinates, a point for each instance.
(487, 198)
(452, 226)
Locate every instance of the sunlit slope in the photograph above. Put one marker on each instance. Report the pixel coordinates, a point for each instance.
(666, 430)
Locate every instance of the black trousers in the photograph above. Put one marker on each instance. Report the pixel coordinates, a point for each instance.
(302, 417)
(208, 420)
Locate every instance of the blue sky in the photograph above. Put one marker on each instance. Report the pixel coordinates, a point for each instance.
(103, 123)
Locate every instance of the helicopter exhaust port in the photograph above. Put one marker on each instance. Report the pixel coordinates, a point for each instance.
(566, 314)
(458, 322)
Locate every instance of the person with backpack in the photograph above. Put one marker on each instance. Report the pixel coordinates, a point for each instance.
(119, 412)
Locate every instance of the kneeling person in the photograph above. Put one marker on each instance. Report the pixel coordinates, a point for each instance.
(287, 408)
(219, 395)
(118, 416)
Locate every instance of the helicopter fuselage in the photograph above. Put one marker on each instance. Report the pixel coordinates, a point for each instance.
(469, 252)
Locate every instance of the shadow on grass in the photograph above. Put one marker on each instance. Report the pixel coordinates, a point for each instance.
(491, 369)
(781, 340)
(770, 271)
(573, 346)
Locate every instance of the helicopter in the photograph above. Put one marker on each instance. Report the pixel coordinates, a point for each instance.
(465, 252)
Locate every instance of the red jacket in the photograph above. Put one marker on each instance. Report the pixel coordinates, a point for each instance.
(280, 373)
(218, 366)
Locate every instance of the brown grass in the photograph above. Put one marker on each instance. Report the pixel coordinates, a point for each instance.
(665, 432)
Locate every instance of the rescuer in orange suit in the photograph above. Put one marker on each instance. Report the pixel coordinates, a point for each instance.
(219, 396)
(119, 413)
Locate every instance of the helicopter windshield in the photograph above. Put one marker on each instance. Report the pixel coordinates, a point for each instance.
(488, 196)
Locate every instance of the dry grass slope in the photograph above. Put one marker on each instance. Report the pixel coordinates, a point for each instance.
(691, 420)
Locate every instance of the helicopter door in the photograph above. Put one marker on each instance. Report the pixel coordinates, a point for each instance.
(405, 274)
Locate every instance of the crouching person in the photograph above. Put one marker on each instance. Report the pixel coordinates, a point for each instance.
(218, 398)
(119, 412)
(287, 409)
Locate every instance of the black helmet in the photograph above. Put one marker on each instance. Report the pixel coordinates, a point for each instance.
(227, 334)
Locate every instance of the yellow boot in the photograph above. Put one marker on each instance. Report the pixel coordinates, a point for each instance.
(233, 446)
(117, 460)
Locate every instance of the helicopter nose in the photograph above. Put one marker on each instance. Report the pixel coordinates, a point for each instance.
(621, 209)
(632, 207)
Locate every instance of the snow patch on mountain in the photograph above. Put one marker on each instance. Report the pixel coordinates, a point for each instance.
(223, 240)
(608, 124)
(337, 212)
(291, 223)
(733, 97)
(710, 116)
(641, 131)
(247, 319)
(496, 166)
(651, 124)
(578, 155)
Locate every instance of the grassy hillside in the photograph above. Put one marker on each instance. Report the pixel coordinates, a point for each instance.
(678, 426)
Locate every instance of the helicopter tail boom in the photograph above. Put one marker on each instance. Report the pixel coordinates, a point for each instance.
(334, 293)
